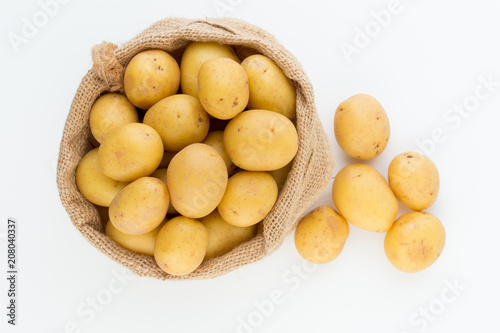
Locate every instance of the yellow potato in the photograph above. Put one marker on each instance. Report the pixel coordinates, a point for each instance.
(270, 89)
(167, 157)
(321, 234)
(244, 52)
(109, 112)
(249, 197)
(223, 87)
(415, 241)
(140, 207)
(142, 244)
(361, 127)
(414, 179)
(261, 140)
(93, 184)
(364, 198)
(151, 76)
(281, 175)
(180, 120)
(215, 140)
(197, 180)
(131, 151)
(222, 236)
(161, 174)
(194, 56)
(181, 245)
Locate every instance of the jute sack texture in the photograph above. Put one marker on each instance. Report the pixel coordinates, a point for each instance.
(311, 172)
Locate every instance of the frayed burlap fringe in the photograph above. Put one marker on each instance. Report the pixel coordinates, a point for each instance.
(308, 178)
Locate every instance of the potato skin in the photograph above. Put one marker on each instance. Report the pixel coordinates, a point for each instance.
(414, 179)
(131, 151)
(260, 140)
(109, 112)
(142, 244)
(361, 127)
(161, 174)
(281, 175)
(249, 197)
(269, 88)
(415, 241)
(321, 234)
(216, 141)
(181, 245)
(151, 76)
(223, 236)
(180, 120)
(364, 198)
(223, 87)
(93, 184)
(194, 56)
(140, 207)
(197, 180)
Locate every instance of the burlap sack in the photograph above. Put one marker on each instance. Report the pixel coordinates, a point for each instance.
(309, 176)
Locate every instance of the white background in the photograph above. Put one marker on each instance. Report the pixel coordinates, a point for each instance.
(429, 57)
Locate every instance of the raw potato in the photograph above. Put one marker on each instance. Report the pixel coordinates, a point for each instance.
(223, 88)
(181, 245)
(361, 127)
(215, 140)
(281, 175)
(161, 174)
(180, 120)
(150, 77)
(260, 140)
(364, 198)
(140, 207)
(321, 234)
(414, 179)
(131, 151)
(197, 180)
(194, 56)
(109, 112)
(249, 197)
(270, 89)
(142, 244)
(415, 241)
(222, 236)
(167, 157)
(93, 184)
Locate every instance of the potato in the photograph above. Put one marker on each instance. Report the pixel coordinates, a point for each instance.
(93, 184)
(269, 88)
(181, 245)
(194, 56)
(222, 236)
(103, 214)
(361, 127)
(215, 140)
(151, 76)
(415, 241)
(167, 157)
(223, 87)
(140, 207)
(109, 112)
(131, 151)
(249, 197)
(320, 235)
(364, 198)
(281, 175)
(414, 179)
(260, 140)
(161, 174)
(197, 180)
(180, 120)
(142, 244)
(244, 52)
